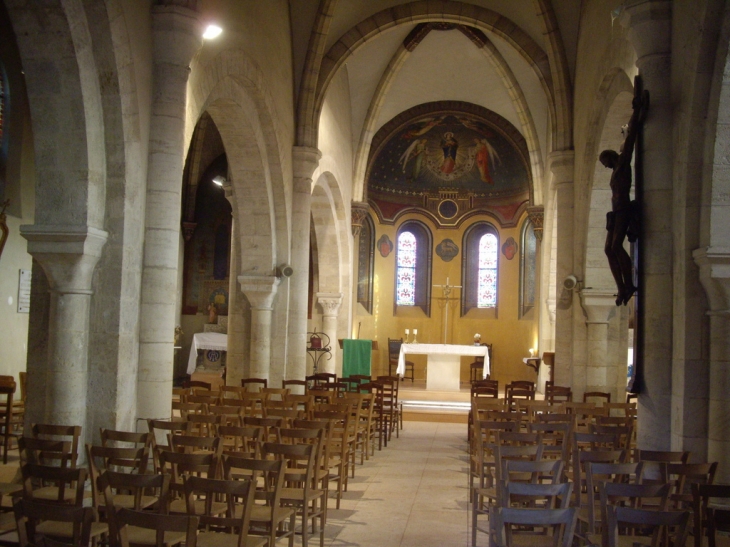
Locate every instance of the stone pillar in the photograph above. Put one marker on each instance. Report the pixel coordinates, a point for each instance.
(68, 255)
(305, 161)
(599, 306)
(714, 266)
(260, 291)
(330, 302)
(649, 30)
(562, 167)
(177, 36)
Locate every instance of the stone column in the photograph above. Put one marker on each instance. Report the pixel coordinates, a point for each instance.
(562, 167)
(305, 161)
(330, 302)
(260, 291)
(177, 36)
(599, 306)
(649, 30)
(68, 256)
(714, 263)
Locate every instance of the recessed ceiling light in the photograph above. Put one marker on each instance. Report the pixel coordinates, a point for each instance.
(212, 31)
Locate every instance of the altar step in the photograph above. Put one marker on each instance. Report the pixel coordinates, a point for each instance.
(420, 405)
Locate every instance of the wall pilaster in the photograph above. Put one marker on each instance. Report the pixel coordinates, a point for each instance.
(260, 291)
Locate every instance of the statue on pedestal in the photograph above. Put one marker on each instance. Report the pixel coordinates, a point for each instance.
(623, 219)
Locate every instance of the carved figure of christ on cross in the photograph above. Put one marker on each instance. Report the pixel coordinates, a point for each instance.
(446, 299)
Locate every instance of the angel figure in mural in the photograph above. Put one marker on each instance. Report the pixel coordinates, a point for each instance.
(422, 127)
(485, 154)
(449, 145)
(416, 151)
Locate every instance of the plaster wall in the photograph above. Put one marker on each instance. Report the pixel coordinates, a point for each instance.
(511, 336)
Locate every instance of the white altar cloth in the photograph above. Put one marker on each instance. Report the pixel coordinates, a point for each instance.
(443, 356)
(205, 340)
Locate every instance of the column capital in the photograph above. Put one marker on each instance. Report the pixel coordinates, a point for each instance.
(67, 254)
(330, 302)
(714, 264)
(177, 33)
(562, 166)
(599, 305)
(649, 24)
(358, 212)
(305, 160)
(536, 214)
(259, 289)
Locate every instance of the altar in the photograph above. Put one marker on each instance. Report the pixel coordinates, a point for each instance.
(444, 363)
(205, 340)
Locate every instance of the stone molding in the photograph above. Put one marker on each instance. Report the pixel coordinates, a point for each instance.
(305, 161)
(259, 289)
(536, 214)
(330, 302)
(714, 265)
(649, 23)
(562, 166)
(358, 212)
(68, 254)
(599, 305)
(177, 35)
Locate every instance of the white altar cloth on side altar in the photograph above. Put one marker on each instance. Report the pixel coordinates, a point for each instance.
(443, 362)
(205, 340)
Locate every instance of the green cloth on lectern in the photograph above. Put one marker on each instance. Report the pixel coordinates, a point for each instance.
(356, 357)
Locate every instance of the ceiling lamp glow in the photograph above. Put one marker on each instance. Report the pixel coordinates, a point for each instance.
(212, 31)
(219, 180)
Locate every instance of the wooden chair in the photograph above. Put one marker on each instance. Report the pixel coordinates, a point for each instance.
(338, 447)
(179, 466)
(217, 530)
(653, 496)
(276, 394)
(42, 452)
(129, 439)
(149, 528)
(254, 384)
(557, 394)
(390, 410)
(11, 418)
(661, 521)
(187, 384)
(70, 433)
(709, 519)
(268, 514)
(159, 430)
(560, 521)
(601, 396)
(301, 483)
(35, 520)
(138, 492)
(519, 390)
(243, 441)
(683, 476)
(394, 345)
(476, 369)
(106, 458)
(298, 386)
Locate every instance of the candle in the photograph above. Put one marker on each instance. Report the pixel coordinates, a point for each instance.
(532, 352)
(415, 331)
(408, 331)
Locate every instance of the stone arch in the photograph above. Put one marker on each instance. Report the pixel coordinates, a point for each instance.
(232, 89)
(611, 111)
(423, 11)
(62, 82)
(329, 223)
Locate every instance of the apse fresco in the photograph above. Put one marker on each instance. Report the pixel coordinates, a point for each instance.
(449, 151)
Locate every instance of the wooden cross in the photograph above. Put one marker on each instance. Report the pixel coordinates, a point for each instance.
(447, 288)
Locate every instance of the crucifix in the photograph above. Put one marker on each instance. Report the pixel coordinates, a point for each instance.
(446, 299)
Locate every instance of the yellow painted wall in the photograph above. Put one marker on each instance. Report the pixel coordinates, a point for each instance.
(511, 336)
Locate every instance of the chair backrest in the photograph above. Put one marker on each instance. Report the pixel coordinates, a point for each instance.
(128, 439)
(62, 478)
(626, 517)
(683, 475)
(554, 394)
(29, 513)
(550, 496)
(289, 384)
(196, 383)
(254, 384)
(277, 394)
(241, 441)
(104, 458)
(601, 396)
(394, 345)
(44, 451)
(221, 491)
(704, 520)
(185, 525)
(272, 473)
(137, 486)
(71, 433)
(485, 388)
(561, 520)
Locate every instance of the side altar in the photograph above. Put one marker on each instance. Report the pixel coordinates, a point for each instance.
(444, 363)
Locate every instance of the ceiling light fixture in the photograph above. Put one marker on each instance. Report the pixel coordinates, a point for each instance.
(219, 180)
(212, 32)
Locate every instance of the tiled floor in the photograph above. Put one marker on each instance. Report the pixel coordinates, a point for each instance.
(413, 493)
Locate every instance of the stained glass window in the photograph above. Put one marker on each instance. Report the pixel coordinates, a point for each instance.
(487, 278)
(406, 270)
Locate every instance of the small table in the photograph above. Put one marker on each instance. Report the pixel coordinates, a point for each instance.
(205, 340)
(444, 363)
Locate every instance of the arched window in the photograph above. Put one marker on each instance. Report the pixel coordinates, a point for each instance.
(413, 266)
(365, 263)
(528, 268)
(480, 266)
